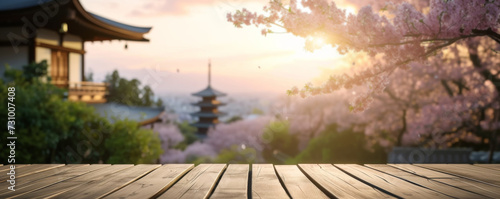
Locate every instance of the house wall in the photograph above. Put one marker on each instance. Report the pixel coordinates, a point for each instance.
(69, 41)
(13, 59)
(4, 31)
(52, 37)
(75, 67)
(72, 41)
(47, 36)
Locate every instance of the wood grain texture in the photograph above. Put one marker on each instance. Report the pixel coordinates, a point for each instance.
(234, 182)
(455, 181)
(21, 181)
(427, 173)
(389, 183)
(198, 183)
(467, 171)
(480, 188)
(7, 167)
(47, 181)
(428, 183)
(265, 183)
(153, 183)
(296, 183)
(477, 169)
(30, 169)
(338, 184)
(75, 182)
(108, 183)
(489, 166)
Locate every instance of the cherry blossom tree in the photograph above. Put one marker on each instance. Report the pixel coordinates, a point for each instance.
(404, 38)
(441, 57)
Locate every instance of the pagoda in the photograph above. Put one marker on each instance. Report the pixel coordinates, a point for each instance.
(208, 115)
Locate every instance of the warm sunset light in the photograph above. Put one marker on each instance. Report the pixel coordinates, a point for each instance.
(250, 99)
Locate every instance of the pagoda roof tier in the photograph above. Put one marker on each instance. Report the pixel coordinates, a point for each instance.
(209, 92)
(209, 114)
(89, 26)
(202, 125)
(208, 104)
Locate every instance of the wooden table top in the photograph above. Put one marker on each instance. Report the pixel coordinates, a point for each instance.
(253, 181)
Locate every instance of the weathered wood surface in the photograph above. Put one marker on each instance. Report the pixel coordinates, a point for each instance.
(198, 183)
(265, 183)
(467, 171)
(254, 181)
(297, 184)
(154, 183)
(489, 166)
(394, 185)
(427, 183)
(234, 182)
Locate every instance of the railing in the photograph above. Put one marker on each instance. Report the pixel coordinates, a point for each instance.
(90, 92)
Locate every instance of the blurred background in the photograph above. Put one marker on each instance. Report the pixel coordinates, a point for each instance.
(170, 81)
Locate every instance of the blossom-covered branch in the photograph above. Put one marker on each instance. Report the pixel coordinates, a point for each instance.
(402, 36)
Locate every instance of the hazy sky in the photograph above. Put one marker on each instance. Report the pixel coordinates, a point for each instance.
(186, 33)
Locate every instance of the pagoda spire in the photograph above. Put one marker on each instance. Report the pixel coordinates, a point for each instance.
(209, 72)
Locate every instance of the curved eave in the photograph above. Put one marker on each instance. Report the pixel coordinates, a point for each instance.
(89, 26)
(209, 115)
(209, 92)
(205, 104)
(127, 32)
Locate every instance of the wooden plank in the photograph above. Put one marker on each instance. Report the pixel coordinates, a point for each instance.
(391, 184)
(76, 182)
(109, 183)
(297, 184)
(481, 188)
(477, 169)
(338, 184)
(7, 167)
(31, 169)
(21, 181)
(149, 186)
(47, 181)
(467, 171)
(486, 190)
(424, 182)
(427, 173)
(234, 182)
(489, 166)
(198, 183)
(265, 183)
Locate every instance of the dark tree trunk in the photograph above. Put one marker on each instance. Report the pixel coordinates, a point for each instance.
(403, 130)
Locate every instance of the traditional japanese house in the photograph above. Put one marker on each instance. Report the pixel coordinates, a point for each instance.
(56, 31)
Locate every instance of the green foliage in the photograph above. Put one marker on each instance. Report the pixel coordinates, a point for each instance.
(89, 77)
(128, 92)
(237, 155)
(257, 111)
(281, 145)
(333, 146)
(189, 133)
(34, 70)
(234, 119)
(159, 103)
(132, 144)
(52, 130)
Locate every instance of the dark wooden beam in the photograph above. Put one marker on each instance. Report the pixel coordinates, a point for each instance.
(83, 61)
(60, 48)
(31, 50)
(7, 43)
